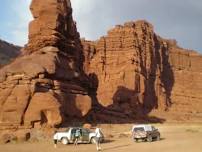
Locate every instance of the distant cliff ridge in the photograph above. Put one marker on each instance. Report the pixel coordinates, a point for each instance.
(8, 52)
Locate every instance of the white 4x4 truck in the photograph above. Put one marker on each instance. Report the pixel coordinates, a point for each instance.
(68, 136)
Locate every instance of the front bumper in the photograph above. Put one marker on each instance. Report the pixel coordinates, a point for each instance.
(139, 136)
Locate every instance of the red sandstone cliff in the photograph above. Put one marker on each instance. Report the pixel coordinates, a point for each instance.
(131, 73)
(139, 73)
(46, 85)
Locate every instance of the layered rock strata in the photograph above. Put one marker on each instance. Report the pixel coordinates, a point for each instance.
(139, 72)
(46, 85)
(122, 77)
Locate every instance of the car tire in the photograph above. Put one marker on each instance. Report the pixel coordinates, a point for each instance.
(93, 140)
(149, 138)
(136, 140)
(158, 137)
(64, 141)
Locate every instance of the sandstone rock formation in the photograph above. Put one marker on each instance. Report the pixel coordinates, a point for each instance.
(8, 52)
(46, 85)
(124, 76)
(138, 72)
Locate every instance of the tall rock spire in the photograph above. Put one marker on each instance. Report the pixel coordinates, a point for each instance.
(52, 25)
(47, 83)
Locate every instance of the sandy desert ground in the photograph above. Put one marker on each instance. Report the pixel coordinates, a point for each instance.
(174, 138)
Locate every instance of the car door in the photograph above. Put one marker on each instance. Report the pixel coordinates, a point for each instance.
(85, 135)
(73, 131)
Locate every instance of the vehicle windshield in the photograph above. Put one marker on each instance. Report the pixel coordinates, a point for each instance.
(138, 129)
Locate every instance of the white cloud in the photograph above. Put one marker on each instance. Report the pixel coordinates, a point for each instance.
(82, 11)
(81, 6)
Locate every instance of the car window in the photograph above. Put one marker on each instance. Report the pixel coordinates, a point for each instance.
(73, 130)
(139, 129)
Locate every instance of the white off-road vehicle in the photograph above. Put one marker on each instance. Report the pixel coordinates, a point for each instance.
(68, 136)
(145, 133)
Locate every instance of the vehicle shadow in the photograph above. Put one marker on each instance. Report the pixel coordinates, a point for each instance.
(162, 139)
(154, 140)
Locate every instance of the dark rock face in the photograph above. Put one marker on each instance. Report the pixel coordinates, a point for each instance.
(46, 85)
(139, 73)
(8, 52)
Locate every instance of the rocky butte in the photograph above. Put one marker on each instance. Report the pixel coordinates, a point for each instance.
(130, 75)
(141, 74)
(47, 84)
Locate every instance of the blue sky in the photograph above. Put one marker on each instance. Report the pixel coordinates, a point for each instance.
(180, 20)
(14, 18)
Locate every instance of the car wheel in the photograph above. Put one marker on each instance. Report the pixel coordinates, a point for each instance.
(93, 140)
(136, 140)
(64, 141)
(158, 137)
(149, 138)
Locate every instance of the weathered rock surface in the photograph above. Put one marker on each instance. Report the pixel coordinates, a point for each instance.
(46, 85)
(127, 75)
(137, 72)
